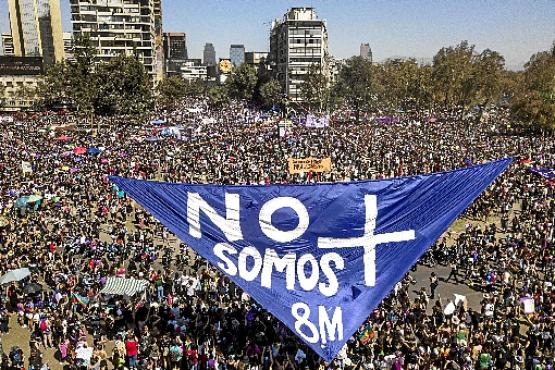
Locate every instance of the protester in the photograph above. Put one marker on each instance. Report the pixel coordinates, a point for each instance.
(79, 230)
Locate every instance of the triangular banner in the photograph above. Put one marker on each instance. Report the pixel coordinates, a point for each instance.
(319, 257)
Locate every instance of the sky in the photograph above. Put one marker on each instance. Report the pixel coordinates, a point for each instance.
(394, 28)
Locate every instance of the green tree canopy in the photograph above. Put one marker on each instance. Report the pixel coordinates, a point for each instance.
(242, 82)
(534, 101)
(270, 93)
(356, 84)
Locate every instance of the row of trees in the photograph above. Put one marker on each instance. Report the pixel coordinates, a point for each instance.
(121, 86)
(458, 78)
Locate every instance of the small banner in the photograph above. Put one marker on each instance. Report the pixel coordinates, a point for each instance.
(303, 165)
(26, 167)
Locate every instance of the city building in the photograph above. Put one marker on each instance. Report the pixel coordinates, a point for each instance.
(159, 65)
(175, 52)
(117, 27)
(237, 54)
(175, 45)
(193, 69)
(209, 55)
(36, 27)
(68, 45)
(7, 44)
(366, 52)
(20, 77)
(256, 57)
(297, 42)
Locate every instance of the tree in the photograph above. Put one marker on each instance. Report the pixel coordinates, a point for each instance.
(490, 68)
(314, 89)
(123, 86)
(271, 93)
(81, 78)
(218, 96)
(170, 90)
(56, 87)
(355, 84)
(242, 82)
(534, 101)
(454, 74)
(195, 88)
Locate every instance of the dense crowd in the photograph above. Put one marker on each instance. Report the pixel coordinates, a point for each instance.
(79, 229)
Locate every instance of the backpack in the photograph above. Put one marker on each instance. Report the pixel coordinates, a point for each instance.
(43, 326)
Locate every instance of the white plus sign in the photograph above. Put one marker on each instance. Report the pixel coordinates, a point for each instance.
(369, 240)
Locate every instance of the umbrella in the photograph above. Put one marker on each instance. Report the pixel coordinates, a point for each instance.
(79, 150)
(63, 138)
(14, 275)
(33, 198)
(93, 151)
(66, 153)
(157, 121)
(32, 288)
(21, 202)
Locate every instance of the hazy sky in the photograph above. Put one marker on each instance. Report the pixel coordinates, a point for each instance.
(515, 28)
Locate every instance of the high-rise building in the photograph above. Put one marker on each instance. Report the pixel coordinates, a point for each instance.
(175, 51)
(117, 27)
(175, 45)
(297, 42)
(7, 44)
(237, 54)
(36, 27)
(256, 57)
(366, 52)
(209, 55)
(68, 45)
(159, 65)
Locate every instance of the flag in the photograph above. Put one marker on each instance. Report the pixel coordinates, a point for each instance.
(546, 173)
(83, 301)
(366, 335)
(319, 257)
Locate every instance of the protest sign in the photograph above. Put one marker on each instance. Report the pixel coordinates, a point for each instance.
(319, 257)
(26, 167)
(303, 165)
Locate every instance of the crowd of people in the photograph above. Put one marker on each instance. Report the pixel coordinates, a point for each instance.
(73, 229)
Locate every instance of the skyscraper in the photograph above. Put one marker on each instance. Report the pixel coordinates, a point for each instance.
(36, 27)
(175, 45)
(209, 55)
(297, 42)
(237, 54)
(119, 27)
(366, 52)
(175, 52)
(7, 44)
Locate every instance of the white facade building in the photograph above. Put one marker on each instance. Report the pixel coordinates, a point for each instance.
(298, 41)
(115, 27)
(192, 70)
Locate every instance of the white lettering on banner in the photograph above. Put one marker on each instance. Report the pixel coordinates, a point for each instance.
(308, 283)
(331, 288)
(280, 236)
(332, 327)
(302, 320)
(306, 269)
(328, 328)
(286, 263)
(227, 266)
(257, 258)
(369, 240)
(230, 225)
